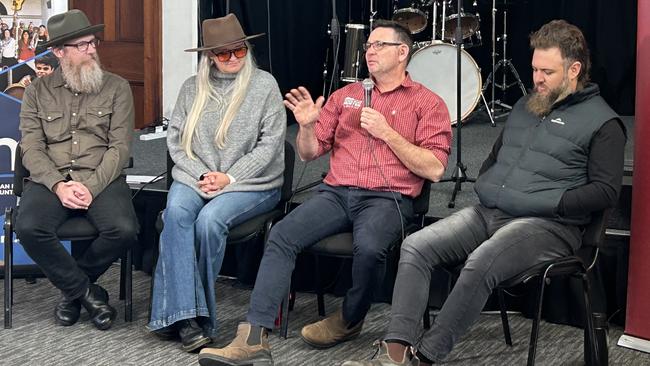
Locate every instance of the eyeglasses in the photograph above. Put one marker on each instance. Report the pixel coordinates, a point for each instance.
(83, 46)
(378, 45)
(224, 56)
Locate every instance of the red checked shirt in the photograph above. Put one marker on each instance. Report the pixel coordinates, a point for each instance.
(411, 109)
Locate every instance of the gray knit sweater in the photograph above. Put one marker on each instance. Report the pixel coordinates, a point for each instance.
(254, 149)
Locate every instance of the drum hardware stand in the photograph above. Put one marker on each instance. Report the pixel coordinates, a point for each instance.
(325, 73)
(504, 63)
(334, 30)
(459, 175)
(373, 13)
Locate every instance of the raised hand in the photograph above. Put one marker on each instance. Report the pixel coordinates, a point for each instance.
(300, 102)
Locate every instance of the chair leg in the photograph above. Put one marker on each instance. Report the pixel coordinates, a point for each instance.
(319, 289)
(591, 334)
(532, 346)
(128, 286)
(123, 276)
(8, 269)
(504, 317)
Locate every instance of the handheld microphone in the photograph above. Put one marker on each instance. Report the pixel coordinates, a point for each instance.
(367, 91)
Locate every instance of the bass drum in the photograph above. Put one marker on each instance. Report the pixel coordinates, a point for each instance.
(434, 66)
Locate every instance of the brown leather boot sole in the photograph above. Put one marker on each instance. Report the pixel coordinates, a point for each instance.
(331, 344)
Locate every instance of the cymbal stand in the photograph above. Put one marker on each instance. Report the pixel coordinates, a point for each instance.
(504, 63)
(459, 176)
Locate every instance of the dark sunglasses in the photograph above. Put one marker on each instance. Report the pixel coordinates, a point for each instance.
(224, 56)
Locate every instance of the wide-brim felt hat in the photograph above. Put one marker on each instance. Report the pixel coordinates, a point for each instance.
(221, 32)
(69, 25)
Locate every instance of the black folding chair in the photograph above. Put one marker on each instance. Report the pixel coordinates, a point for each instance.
(76, 230)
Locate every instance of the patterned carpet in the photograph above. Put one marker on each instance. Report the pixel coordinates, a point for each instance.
(36, 340)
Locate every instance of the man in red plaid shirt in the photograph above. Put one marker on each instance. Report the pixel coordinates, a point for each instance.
(380, 157)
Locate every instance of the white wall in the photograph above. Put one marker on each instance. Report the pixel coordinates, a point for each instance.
(58, 7)
(179, 23)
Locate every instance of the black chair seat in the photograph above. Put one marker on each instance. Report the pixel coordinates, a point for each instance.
(334, 246)
(557, 267)
(249, 229)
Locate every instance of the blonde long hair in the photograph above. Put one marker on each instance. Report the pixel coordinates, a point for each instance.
(205, 92)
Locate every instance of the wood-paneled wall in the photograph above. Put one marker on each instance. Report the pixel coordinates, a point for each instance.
(131, 48)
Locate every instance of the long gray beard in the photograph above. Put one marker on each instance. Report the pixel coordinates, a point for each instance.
(84, 78)
(541, 105)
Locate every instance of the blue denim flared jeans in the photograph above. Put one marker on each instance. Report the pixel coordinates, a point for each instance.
(192, 246)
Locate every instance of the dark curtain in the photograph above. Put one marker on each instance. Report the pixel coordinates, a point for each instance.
(297, 34)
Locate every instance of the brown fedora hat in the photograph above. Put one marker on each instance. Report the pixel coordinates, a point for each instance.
(222, 32)
(69, 25)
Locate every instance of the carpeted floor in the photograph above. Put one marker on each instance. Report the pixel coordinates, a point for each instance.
(36, 340)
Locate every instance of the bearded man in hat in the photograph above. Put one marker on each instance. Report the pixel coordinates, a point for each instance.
(76, 126)
(226, 137)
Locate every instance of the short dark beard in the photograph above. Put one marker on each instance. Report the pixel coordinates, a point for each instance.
(541, 105)
(86, 77)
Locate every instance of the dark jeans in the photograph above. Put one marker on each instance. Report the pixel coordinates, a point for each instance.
(41, 213)
(374, 220)
(494, 247)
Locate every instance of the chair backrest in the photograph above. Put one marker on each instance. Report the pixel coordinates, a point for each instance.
(594, 234)
(421, 202)
(20, 172)
(289, 161)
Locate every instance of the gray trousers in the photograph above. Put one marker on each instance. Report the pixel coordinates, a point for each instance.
(494, 247)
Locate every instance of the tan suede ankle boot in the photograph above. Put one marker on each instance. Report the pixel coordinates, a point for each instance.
(239, 351)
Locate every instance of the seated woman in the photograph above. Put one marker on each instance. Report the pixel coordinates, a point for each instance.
(226, 138)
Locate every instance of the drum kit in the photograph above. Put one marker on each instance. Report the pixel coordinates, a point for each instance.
(434, 59)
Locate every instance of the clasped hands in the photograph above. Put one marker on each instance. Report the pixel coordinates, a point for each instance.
(73, 195)
(213, 182)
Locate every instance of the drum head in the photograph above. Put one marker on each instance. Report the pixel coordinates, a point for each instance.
(413, 19)
(434, 66)
(469, 24)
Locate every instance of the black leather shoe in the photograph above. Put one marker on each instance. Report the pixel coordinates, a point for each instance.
(191, 334)
(167, 333)
(66, 312)
(95, 301)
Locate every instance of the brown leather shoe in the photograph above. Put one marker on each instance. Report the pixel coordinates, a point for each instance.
(330, 331)
(240, 351)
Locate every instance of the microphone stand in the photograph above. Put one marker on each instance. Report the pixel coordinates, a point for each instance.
(458, 176)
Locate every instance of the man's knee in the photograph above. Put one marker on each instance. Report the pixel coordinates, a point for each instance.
(30, 229)
(123, 230)
(412, 247)
(370, 254)
(281, 239)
